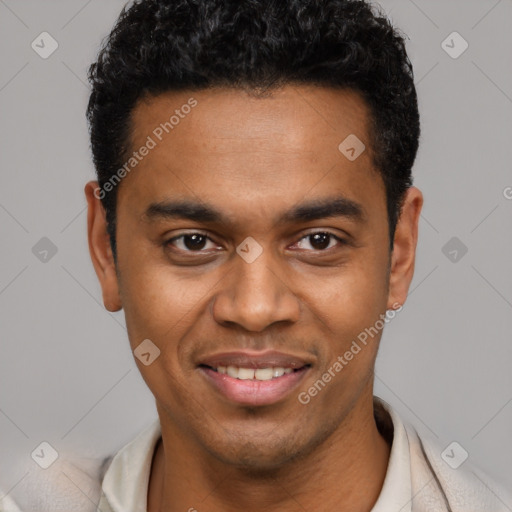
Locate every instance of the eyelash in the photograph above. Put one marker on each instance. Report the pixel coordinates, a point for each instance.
(169, 242)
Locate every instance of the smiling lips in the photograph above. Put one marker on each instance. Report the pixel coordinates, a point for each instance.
(253, 378)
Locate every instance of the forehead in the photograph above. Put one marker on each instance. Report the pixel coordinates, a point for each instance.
(293, 118)
(229, 147)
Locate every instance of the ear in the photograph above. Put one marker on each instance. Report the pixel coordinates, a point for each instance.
(404, 248)
(99, 248)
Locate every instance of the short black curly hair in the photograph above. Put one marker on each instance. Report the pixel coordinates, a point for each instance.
(163, 45)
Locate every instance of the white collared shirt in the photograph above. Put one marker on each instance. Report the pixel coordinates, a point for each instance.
(418, 479)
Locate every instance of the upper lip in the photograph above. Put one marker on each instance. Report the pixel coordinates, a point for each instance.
(248, 359)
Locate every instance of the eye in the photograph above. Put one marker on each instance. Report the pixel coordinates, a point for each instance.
(191, 242)
(320, 241)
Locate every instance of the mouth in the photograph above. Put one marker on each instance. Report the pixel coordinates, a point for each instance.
(254, 379)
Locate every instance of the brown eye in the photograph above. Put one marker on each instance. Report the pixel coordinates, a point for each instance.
(320, 241)
(190, 242)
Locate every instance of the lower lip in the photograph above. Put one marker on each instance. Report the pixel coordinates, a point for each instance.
(254, 392)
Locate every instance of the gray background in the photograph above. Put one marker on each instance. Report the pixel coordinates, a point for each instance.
(67, 375)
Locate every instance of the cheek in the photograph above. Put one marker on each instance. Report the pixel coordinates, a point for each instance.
(162, 308)
(160, 303)
(350, 310)
(155, 302)
(354, 297)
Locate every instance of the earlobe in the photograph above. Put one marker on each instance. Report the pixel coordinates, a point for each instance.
(100, 250)
(404, 248)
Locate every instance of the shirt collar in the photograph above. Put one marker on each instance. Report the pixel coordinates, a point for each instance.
(397, 488)
(125, 484)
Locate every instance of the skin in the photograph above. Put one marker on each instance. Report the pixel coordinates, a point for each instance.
(253, 159)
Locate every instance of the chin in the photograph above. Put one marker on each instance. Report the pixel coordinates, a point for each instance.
(260, 457)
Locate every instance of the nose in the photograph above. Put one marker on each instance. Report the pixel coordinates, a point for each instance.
(255, 295)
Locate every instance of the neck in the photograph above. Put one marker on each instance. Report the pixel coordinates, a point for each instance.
(345, 473)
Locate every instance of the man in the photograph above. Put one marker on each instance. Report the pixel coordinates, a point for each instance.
(254, 217)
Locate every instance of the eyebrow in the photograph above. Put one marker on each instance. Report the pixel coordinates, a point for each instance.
(304, 212)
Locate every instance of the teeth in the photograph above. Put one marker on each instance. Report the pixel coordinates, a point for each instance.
(277, 372)
(252, 374)
(245, 373)
(232, 371)
(264, 373)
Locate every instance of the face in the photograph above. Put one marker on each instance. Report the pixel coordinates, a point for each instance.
(245, 230)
